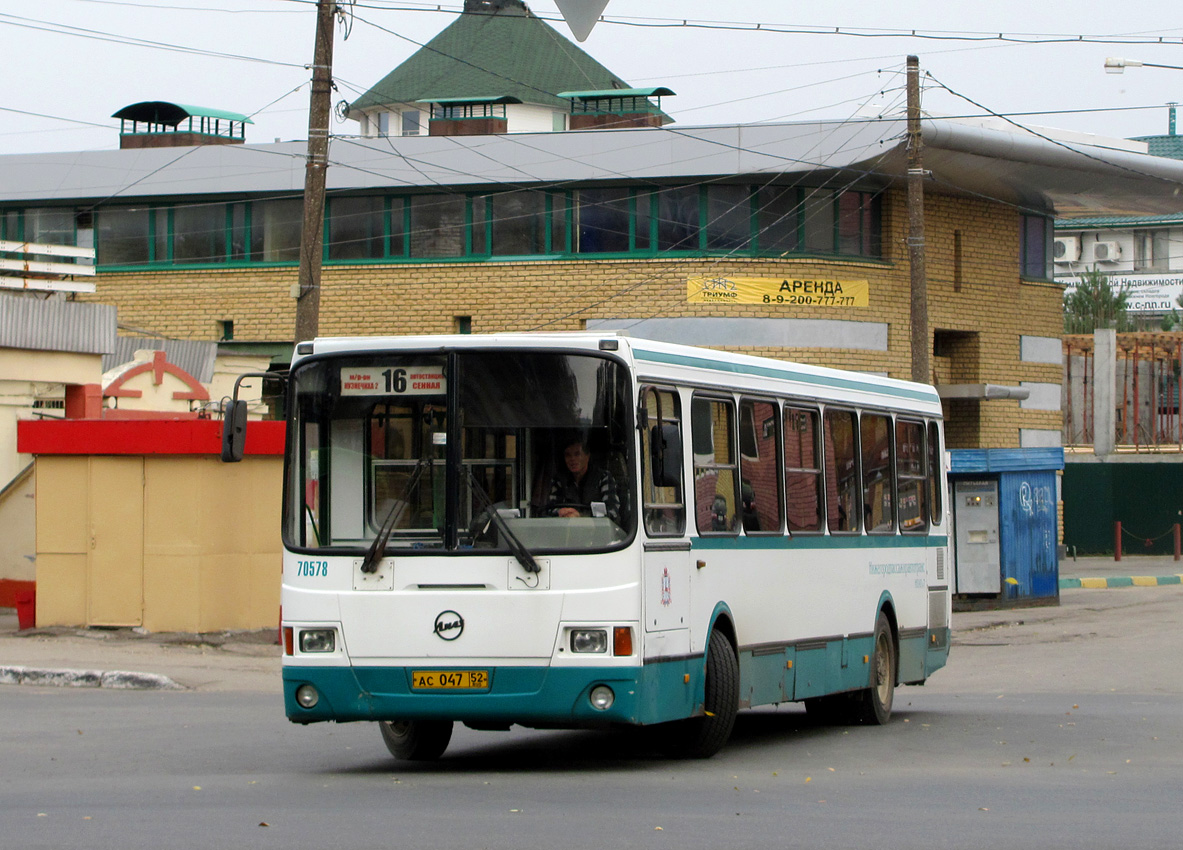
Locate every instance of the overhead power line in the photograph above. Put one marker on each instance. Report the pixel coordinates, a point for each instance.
(99, 35)
(824, 30)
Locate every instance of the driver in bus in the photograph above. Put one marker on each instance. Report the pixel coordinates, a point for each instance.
(580, 483)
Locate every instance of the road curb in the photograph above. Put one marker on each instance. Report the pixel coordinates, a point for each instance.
(114, 679)
(1120, 581)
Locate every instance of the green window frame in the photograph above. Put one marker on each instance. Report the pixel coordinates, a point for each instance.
(709, 219)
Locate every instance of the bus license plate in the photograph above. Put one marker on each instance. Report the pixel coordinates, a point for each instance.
(449, 679)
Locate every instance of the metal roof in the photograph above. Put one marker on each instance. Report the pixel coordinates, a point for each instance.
(655, 91)
(1033, 172)
(194, 356)
(172, 114)
(54, 325)
(491, 99)
(1105, 222)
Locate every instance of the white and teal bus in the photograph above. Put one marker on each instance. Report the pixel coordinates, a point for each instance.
(757, 532)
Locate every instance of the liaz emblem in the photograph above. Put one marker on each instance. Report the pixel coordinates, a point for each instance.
(448, 625)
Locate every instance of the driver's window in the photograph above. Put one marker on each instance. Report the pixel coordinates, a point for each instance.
(661, 463)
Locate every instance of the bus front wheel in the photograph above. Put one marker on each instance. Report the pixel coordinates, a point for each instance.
(873, 704)
(702, 737)
(416, 740)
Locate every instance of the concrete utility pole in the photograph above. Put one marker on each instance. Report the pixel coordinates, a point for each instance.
(312, 236)
(919, 315)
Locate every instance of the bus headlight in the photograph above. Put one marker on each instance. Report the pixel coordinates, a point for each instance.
(589, 640)
(318, 640)
(307, 696)
(601, 697)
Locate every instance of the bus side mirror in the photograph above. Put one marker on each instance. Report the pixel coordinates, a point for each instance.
(665, 448)
(233, 430)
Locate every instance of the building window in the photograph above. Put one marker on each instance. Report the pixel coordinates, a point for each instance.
(275, 230)
(818, 226)
(50, 226)
(1151, 250)
(123, 237)
(858, 224)
(383, 123)
(519, 223)
(678, 227)
(778, 216)
(239, 230)
(357, 228)
(199, 234)
(411, 122)
(710, 220)
(437, 225)
(729, 218)
(1035, 247)
(10, 225)
(602, 221)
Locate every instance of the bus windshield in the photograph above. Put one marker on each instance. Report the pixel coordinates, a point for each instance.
(422, 449)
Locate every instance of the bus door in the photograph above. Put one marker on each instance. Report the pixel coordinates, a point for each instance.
(666, 553)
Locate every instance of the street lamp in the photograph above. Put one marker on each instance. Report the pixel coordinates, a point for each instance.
(1113, 65)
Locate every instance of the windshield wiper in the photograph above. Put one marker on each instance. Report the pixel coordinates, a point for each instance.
(515, 545)
(377, 549)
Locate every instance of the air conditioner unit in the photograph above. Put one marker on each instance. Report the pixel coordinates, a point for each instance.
(1106, 252)
(1066, 249)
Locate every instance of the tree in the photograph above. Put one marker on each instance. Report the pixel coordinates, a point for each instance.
(1094, 303)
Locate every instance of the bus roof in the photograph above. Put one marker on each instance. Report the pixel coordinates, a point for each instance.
(673, 362)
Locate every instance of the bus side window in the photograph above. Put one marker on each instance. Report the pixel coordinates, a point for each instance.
(716, 485)
(935, 465)
(661, 464)
(803, 472)
(913, 486)
(843, 499)
(759, 486)
(878, 499)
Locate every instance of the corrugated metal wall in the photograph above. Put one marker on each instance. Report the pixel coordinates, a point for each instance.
(1027, 519)
(56, 325)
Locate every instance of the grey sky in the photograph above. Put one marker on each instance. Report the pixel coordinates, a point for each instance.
(721, 75)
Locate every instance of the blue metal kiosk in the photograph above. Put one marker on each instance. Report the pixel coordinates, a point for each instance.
(1005, 526)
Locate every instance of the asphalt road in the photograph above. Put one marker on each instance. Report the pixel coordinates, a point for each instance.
(1051, 728)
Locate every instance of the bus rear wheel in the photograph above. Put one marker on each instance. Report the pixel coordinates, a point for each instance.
(416, 740)
(873, 704)
(702, 737)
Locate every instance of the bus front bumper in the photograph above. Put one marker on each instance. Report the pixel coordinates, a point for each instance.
(544, 696)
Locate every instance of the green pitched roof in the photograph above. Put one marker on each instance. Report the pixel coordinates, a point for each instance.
(508, 51)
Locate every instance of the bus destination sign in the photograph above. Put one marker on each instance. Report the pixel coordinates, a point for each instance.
(394, 380)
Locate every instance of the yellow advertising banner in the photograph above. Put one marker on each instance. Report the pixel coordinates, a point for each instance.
(776, 290)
